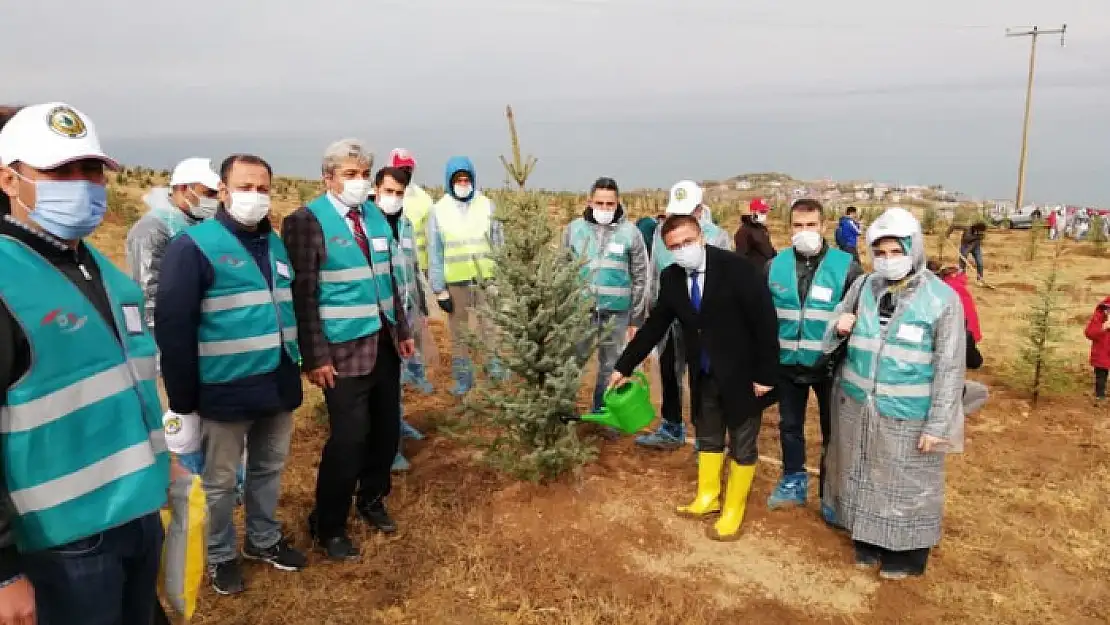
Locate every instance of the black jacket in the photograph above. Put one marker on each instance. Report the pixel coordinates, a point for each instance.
(186, 276)
(753, 241)
(15, 355)
(737, 325)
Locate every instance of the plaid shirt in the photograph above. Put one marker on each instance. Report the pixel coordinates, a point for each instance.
(304, 240)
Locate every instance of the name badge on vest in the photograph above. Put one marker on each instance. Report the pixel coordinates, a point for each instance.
(380, 244)
(821, 293)
(132, 319)
(282, 269)
(911, 334)
(616, 248)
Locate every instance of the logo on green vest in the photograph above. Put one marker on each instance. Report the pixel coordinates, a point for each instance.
(66, 322)
(341, 241)
(231, 261)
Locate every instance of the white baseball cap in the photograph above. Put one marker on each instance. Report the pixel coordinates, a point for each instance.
(686, 196)
(45, 136)
(194, 170)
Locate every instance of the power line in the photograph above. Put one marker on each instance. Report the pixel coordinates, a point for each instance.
(1032, 34)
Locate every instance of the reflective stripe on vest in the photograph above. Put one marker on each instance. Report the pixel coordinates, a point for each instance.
(896, 368)
(416, 205)
(605, 250)
(802, 325)
(349, 285)
(81, 432)
(244, 324)
(466, 253)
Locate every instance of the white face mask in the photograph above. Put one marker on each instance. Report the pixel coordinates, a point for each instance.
(604, 217)
(390, 204)
(355, 192)
(462, 191)
(248, 207)
(205, 208)
(759, 218)
(893, 269)
(807, 242)
(690, 256)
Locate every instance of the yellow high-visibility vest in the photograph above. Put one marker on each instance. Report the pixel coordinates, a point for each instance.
(417, 205)
(466, 244)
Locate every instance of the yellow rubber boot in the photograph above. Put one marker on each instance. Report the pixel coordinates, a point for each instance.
(708, 500)
(740, 478)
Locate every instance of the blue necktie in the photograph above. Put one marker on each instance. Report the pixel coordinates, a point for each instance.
(695, 299)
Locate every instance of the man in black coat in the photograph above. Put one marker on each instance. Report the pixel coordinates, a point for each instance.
(728, 322)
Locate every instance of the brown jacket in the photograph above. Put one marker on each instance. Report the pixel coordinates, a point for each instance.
(753, 242)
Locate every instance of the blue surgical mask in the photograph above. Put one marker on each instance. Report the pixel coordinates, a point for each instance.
(69, 209)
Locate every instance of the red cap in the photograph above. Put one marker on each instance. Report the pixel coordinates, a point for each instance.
(758, 205)
(400, 157)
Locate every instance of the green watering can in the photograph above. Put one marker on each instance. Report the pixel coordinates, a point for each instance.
(627, 407)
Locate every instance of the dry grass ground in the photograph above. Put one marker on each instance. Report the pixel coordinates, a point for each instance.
(1026, 534)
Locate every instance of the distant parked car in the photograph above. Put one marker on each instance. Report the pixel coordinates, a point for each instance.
(1004, 214)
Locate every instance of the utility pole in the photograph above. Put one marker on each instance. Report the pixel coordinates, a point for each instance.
(1032, 34)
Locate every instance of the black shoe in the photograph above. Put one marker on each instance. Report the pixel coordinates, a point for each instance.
(227, 577)
(376, 517)
(280, 556)
(339, 548)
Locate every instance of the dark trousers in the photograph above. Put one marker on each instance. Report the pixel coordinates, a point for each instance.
(364, 414)
(911, 561)
(713, 435)
(106, 579)
(1100, 383)
(669, 368)
(793, 399)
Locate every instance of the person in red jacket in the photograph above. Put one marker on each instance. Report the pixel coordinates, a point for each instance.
(957, 281)
(1098, 333)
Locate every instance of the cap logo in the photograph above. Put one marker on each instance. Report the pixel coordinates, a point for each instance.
(66, 122)
(680, 194)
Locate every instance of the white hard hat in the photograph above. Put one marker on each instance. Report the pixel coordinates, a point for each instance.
(45, 136)
(686, 196)
(182, 432)
(194, 170)
(895, 222)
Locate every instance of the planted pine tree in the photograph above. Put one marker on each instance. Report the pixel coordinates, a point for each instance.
(539, 312)
(1040, 365)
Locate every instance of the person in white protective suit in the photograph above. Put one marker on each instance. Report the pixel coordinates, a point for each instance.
(897, 405)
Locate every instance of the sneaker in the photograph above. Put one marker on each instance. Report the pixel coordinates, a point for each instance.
(894, 575)
(668, 436)
(407, 431)
(867, 558)
(281, 555)
(793, 490)
(377, 517)
(339, 549)
(227, 577)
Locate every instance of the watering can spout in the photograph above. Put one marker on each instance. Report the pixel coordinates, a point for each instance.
(601, 417)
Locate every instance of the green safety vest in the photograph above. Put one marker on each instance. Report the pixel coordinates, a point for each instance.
(608, 261)
(896, 368)
(81, 435)
(404, 269)
(466, 245)
(802, 325)
(353, 293)
(244, 323)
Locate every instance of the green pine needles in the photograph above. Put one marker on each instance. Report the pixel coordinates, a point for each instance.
(539, 311)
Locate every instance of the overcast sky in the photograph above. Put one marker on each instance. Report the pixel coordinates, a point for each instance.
(648, 91)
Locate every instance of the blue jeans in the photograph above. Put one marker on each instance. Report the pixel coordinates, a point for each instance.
(793, 398)
(975, 253)
(609, 349)
(107, 579)
(267, 443)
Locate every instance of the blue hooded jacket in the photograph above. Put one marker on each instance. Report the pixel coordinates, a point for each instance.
(455, 164)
